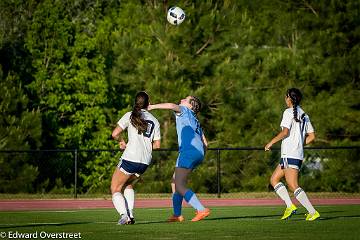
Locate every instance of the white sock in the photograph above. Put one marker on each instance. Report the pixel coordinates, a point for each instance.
(119, 203)
(129, 195)
(304, 200)
(281, 190)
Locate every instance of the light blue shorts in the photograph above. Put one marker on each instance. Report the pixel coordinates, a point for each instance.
(189, 159)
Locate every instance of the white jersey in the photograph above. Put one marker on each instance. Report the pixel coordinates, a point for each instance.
(292, 146)
(139, 146)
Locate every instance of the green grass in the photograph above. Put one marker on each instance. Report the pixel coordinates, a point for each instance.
(336, 222)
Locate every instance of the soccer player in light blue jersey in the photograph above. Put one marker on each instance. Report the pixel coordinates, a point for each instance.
(296, 132)
(192, 145)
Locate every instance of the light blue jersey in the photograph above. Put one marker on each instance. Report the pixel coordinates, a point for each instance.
(191, 146)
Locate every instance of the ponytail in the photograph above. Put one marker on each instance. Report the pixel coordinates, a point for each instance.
(136, 117)
(295, 96)
(295, 113)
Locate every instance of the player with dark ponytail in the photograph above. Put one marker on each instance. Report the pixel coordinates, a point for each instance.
(296, 132)
(295, 96)
(136, 118)
(143, 136)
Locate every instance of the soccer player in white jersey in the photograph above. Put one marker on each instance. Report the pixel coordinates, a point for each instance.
(143, 136)
(192, 145)
(296, 131)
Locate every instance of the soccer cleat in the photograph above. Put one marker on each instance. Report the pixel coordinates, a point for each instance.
(289, 211)
(124, 220)
(174, 218)
(201, 215)
(312, 217)
(132, 220)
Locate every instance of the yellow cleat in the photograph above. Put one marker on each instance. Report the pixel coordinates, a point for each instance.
(312, 217)
(289, 211)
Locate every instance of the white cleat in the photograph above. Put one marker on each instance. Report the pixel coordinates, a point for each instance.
(124, 220)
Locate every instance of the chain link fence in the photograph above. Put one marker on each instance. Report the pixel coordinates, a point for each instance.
(70, 172)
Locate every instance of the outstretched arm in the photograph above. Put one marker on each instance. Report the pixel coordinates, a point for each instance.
(170, 106)
(280, 136)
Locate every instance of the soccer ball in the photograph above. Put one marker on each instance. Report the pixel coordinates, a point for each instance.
(175, 15)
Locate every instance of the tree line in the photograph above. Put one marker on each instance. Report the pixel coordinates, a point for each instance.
(70, 69)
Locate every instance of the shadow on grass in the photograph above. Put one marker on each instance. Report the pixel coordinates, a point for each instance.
(213, 219)
(294, 218)
(42, 224)
(70, 223)
(240, 217)
(338, 217)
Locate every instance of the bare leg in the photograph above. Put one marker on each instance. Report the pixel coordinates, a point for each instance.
(173, 190)
(277, 175)
(118, 181)
(279, 187)
(291, 176)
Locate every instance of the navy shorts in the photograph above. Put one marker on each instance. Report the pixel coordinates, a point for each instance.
(132, 168)
(290, 163)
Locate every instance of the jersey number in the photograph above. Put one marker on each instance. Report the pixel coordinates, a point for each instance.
(150, 128)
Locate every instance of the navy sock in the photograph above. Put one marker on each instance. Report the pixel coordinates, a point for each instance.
(177, 203)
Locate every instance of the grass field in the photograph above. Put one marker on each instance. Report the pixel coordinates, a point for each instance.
(336, 222)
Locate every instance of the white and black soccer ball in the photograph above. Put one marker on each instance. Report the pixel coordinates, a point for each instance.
(175, 15)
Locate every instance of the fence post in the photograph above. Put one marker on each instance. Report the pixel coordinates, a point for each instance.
(218, 173)
(75, 173)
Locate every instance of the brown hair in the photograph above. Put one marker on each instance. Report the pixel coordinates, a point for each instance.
(136, 117)
(295, 96)
(195, 103)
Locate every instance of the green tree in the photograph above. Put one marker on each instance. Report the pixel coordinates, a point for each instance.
(20, 123)
(75, 66)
